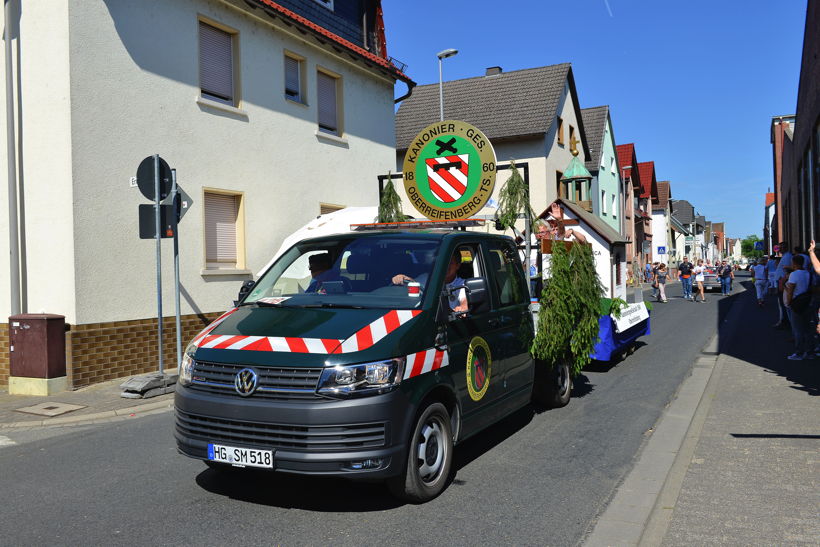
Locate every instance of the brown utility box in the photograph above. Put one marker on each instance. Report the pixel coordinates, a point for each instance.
(37, 345)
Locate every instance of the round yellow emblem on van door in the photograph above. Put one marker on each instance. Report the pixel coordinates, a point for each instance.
(479, 368)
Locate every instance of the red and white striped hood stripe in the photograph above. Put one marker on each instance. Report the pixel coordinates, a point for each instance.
(360, 340)
(425, 361)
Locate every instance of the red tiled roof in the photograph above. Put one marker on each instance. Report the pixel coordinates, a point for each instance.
(649, 185)
(627, 160)
(664, 193)
(769, 198)
(382, 62)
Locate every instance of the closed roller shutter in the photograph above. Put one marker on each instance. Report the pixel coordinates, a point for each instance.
(293, 88)
(327, 102)
(221, 212)
(215, 62)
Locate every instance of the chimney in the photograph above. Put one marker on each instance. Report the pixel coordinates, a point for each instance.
(493, 71)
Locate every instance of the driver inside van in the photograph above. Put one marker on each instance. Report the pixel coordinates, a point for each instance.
(457, 298)
(321, 272)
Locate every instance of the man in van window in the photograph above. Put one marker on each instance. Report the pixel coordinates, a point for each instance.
(453, 285)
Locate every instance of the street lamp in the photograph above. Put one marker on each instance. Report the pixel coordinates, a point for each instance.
(442, 55)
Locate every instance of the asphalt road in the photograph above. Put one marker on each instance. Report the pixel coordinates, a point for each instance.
(538, 478)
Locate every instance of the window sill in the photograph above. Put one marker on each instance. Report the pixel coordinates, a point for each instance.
(294, 101)
(215, 272)
(220, 106)
(321, 135)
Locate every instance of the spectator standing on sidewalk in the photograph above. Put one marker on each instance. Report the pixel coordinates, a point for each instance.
(699, 271)
(781, 274)
(771, 271)
(797, 300)
(685, 273)
(647, 274)
(761, 280)
(660, 278)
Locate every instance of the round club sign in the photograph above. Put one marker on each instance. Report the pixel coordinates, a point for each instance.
(449, 170)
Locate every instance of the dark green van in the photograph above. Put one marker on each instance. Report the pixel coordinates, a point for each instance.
(365, 355)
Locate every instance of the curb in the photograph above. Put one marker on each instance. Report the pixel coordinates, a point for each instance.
(107, 415)
(641, 508)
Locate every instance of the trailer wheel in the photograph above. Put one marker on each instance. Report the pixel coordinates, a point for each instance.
(429, 457)
(553, 384)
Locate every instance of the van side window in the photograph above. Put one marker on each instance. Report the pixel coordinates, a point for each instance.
(506, 273)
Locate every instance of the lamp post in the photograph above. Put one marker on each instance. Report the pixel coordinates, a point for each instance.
(442, 55)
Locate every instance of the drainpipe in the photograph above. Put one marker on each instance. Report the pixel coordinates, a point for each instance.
(11, 161)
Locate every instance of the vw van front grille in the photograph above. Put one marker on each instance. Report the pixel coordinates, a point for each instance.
(280, 383)
(294, 437)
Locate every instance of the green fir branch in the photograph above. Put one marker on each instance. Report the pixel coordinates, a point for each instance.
(570, 308)
(514, 199)
(390, 205)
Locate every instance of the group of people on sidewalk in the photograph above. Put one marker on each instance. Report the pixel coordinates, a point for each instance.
(794, 277)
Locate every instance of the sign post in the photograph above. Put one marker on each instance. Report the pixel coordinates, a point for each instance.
(175, 217)
(157, 236)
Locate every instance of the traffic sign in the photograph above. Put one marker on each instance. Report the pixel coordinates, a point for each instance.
(661, 250)
(145, 178)
(148, 221)
(183, 203)
(758, 245)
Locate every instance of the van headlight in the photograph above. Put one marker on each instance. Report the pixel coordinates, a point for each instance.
(186, 367)
(361, 379)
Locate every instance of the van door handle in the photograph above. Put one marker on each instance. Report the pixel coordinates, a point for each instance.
(494, 322)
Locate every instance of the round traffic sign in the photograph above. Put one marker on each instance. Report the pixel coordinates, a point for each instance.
(145, 178)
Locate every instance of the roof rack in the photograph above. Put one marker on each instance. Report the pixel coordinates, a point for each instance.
(419, 225)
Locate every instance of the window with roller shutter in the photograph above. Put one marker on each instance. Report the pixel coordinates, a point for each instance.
(222, 231)
(216, 74)
(328, 103)
(294, 79)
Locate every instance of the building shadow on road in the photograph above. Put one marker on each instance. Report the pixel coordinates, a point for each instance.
(746, 331)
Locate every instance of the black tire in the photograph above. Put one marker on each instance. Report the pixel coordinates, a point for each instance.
(425, 476)
(553, 384)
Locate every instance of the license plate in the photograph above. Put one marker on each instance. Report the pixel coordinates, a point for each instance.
(240, 457)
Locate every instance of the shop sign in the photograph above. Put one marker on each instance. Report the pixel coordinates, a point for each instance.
(449, 170)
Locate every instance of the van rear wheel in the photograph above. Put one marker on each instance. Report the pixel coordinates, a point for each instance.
(553, 384)
(429, 457)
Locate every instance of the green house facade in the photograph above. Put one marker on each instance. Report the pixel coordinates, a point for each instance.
(606, 190)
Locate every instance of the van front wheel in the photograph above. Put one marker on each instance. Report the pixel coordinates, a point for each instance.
(429, 457)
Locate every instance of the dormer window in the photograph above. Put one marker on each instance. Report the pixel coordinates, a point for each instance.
(326, 3)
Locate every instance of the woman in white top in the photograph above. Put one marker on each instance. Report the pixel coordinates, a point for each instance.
(698, 271)
(761, 275)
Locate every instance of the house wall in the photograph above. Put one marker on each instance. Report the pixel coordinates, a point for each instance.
(45, 195)
(608, 180)
(659, 234)
(134, 88)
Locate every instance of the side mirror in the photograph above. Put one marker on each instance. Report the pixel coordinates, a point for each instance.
(244, 290)
(477, 295)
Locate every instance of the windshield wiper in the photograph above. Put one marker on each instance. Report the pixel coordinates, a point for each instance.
(262, 304)
(331, 305)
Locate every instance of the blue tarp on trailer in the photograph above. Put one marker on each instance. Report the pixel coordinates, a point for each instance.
(611, 342)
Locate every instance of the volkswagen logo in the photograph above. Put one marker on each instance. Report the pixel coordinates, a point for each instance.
(246, 381)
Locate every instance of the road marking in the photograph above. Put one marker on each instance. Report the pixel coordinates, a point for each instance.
(5, 441)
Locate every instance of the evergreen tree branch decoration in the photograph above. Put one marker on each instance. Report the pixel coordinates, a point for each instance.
(570, 308)
(514, 199)
(390, 205)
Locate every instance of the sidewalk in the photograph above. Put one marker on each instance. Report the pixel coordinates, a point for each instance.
(736, 457)
(97, 403)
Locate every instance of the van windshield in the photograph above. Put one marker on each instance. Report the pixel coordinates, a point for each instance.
(357, 272)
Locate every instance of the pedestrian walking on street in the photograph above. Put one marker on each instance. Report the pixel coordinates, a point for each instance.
(699, 278)
(761, 280)
(685, 273)
(660, 279)
(654, 280)
(647, 274)
(726, 275)
(797, 297)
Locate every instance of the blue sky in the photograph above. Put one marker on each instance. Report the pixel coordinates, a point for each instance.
(693, 84)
